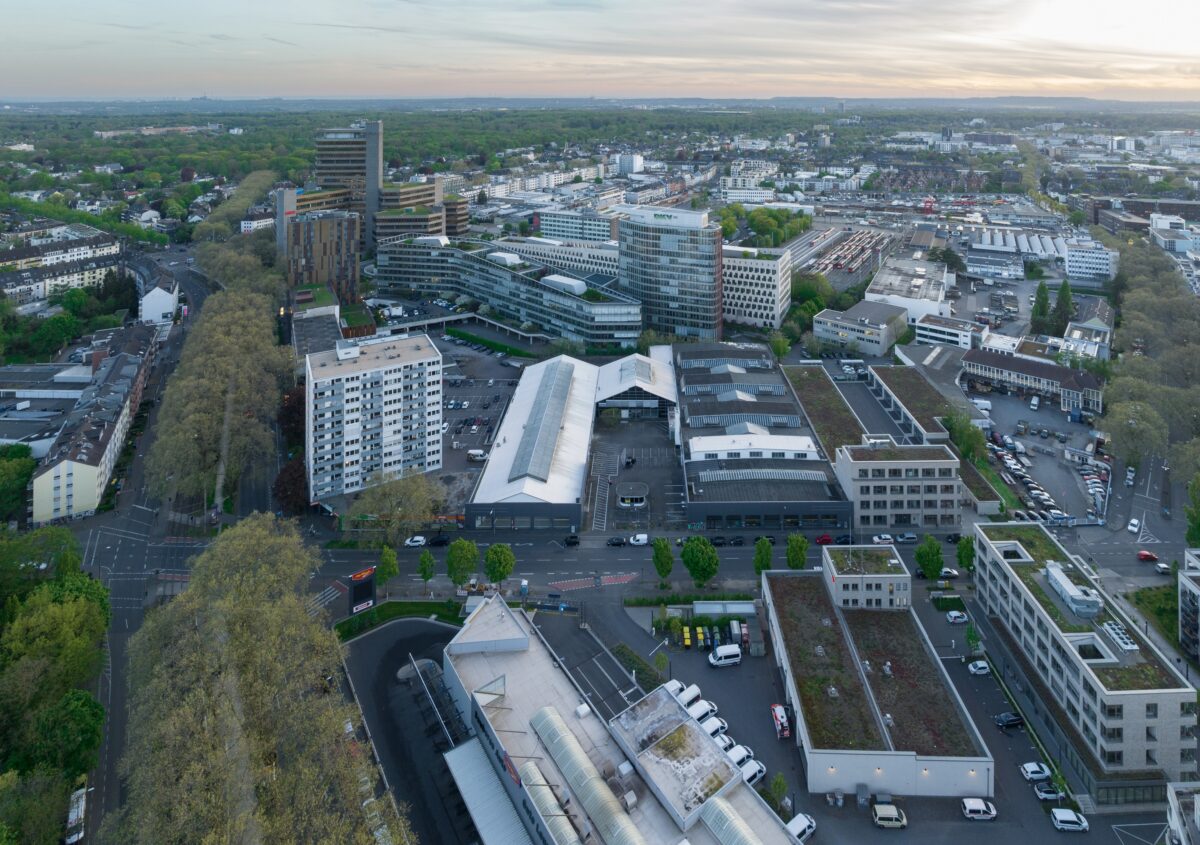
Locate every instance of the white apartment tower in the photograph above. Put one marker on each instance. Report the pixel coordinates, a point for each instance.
(372, 412)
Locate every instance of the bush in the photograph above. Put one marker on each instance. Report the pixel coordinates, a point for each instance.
(647, 676)
(686, 598)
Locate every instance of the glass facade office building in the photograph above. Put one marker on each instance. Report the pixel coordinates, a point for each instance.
(671, 262)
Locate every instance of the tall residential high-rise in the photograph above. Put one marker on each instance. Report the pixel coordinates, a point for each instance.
(670, 260)
(322, 249)
(373, 412)
(352, 158)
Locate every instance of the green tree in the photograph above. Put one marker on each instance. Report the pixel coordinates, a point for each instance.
(777, 789)
(964, 553)
(16, 469)
(401, 505)
(662, 662)
(966, 436)
(1064, 309)
(68, 734)
(1076, 218)
(1039, 315)
(664, 560)
(700, 559)
(797, 551)
(779, 345)
(426, 567)
(929, 557)
(1193, 512)
(1138, 431)
(499, 562)
(762, 555)
(462, 558)
(387, 568)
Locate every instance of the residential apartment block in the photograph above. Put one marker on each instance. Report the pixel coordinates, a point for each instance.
(896, 486)
(322, 249)
(757, 286)
(671, 262)
(868, 328)
(77, 243)
(38, 283)
(1123, 716)
(72, 479)
(537, 297)
(372, 412)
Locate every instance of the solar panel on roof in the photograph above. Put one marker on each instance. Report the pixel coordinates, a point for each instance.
(761, 475)
(535, 452)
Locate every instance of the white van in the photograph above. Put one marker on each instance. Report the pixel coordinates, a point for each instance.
(702, 710)
(740, 754)
(1034, 401)
(714, 726)
(982, 404)
(689, 696)
(725, 655)
(476, 455)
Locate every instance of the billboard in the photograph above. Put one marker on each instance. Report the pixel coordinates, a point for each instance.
(362, 590)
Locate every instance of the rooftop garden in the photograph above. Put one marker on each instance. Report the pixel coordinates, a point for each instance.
(593, 295)
(314, 296)
(927, 719)
(821, 661)
(356, 315)
(1041, 548)
(865, 560)
(917, 395)
(900, 453)
(832, 420)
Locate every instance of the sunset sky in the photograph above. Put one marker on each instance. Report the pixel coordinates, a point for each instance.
(618, 48)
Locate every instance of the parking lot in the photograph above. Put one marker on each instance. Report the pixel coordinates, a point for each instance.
(477, 389)
(637, 452)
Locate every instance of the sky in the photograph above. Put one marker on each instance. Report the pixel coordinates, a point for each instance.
(118, 49)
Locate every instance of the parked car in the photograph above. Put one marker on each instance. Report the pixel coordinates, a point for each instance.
(719, 541)
(1008, 720)
(824, 540)
(907, 537)
(947, 572)
(978, 810)
(954, 538)
(882, 539)
(414, 542)
(979, 667)
(1068, 820)
(616, 541)
(843, 540)
(639, 540)
(1145, 555)
(439, 539)
(1034, 772)
(572, 540)
(1045, 790)
(888, 815)
(956, 617)
(737, 541)
(802, 827)
(1134, 526)
(770, 538)
(1162, 568)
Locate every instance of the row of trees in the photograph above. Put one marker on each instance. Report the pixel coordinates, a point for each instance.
(1151, 407)
(223, 222)
(236, 719)
(218, 406)
(51, 629)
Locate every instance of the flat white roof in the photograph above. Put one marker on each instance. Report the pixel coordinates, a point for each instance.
(546, 463)
(765, 442)
(661, 215)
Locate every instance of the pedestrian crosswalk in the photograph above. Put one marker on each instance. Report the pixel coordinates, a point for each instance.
(325, 597)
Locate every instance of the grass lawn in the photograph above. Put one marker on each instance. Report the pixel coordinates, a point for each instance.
(1161, 606)
(917, 395)
(356, 315)
(322, 296)
(493, 345)
(443, 611)
(1011, 502)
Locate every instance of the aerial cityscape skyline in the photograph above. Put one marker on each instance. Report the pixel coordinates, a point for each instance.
(602, 48)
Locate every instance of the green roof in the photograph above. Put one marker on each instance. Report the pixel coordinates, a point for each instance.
(322, 296)
(831, 418)
(865, 560)
(917, 395)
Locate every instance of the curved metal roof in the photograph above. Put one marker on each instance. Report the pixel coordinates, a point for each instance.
(606, 813)
(727, 824)
(548, 805)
